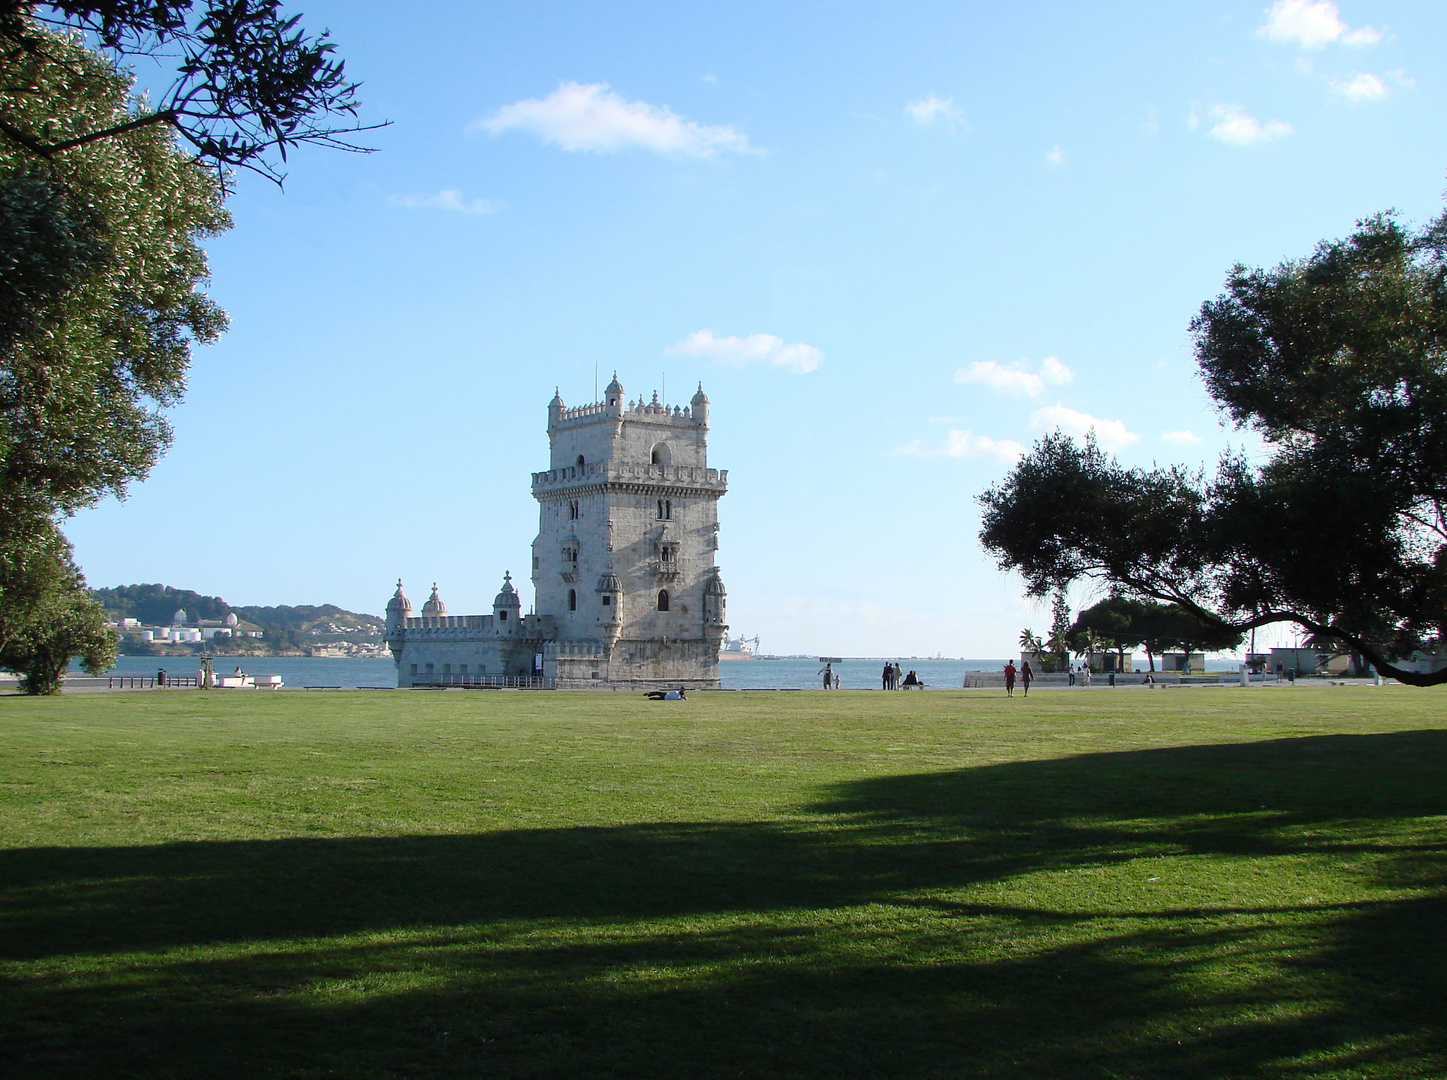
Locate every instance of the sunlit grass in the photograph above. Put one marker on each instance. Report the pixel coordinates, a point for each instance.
(1189, 883)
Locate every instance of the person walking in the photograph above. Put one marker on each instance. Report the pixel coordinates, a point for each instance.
(828, 674)
(836, 680)
(1027, 675)
(1085, 674)
(1072, 674)
(1010, 678)
(898, 675)
(888, 672)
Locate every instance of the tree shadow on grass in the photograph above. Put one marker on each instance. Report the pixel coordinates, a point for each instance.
(872, 941)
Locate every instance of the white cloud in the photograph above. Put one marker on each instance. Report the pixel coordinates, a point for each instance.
(1016, 379)
(965, 444)
(578, 116)
(926, 110)
(753, 349)
(1053, 371)
(1361, 86)
(1110, 434)
(1055, 156)
(449, 199)
(1181, 438)
(1003, 379)
(1236, 127)
(1312, 24)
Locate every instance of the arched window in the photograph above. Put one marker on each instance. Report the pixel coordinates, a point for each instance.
(580, 461)
(572, 599)
(573, 512)
(662, 599)
(665, 509)
(661, 455)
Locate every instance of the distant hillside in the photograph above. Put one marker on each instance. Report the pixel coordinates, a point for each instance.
(328, 618)
(284, 628)
(155, 604)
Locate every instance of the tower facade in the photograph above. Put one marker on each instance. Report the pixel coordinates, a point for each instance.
(627, 534)
(628, 595)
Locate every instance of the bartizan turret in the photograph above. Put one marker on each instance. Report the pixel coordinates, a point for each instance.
(507, 609)
(399, 610)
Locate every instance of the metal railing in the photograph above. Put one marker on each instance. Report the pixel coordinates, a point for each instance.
(430, 681)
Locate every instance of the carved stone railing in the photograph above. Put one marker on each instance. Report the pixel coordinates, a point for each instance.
(625, 472)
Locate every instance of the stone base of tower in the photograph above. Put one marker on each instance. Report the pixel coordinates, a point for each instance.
(633, 665)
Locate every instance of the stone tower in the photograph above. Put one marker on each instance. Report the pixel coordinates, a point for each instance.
(623, 565)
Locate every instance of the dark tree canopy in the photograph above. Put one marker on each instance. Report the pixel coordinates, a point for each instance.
(248, 84)
(1154, 627)
(1340, 362)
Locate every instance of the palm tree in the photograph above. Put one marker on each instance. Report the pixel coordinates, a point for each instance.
(1058, 646)
(1030, 641)
(1087, 642)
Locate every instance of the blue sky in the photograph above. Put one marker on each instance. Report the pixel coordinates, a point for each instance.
(896, 243)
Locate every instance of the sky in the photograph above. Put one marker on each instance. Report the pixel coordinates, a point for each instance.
(895, 243)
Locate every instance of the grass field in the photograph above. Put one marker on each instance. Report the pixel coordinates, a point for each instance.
(1188, 883)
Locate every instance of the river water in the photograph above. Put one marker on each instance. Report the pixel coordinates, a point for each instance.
(854, 673)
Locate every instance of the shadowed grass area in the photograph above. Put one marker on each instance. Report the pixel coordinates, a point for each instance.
(1185, 884)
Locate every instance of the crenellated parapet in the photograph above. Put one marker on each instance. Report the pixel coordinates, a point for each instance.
(580, 414)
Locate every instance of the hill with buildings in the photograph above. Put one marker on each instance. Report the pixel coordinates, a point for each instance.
(158, 620)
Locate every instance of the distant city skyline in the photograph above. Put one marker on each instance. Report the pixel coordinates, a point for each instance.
(896, 246)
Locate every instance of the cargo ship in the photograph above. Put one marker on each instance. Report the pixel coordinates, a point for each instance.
(738, 648)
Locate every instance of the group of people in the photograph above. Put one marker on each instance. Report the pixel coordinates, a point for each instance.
(1025, 673)
(894, 678)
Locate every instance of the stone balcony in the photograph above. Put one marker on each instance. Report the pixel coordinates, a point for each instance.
(622, 472)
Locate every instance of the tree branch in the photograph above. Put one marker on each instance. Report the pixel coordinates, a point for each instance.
(119, 129)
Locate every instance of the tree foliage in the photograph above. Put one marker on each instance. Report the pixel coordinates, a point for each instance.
(1154, 627)
(102, 276)
(46, 614)
(1339, 361)
(101, 272)
(248, 83)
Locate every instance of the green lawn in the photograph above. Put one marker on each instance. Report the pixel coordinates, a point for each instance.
(1186, 883)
